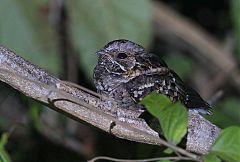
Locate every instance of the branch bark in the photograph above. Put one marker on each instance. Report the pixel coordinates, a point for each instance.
(82, 105)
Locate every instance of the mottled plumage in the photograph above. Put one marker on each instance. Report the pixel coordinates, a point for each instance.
(127, 72)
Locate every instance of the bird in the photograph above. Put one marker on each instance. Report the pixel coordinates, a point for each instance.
(127, 73)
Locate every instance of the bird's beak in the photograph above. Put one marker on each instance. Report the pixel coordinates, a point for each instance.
(100, 52)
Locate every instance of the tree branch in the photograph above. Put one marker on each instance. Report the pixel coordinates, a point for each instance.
(87, 106)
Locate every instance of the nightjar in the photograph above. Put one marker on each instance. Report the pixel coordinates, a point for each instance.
(127, 72)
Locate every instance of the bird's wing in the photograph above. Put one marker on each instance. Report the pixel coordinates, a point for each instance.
(173, 83)
(189, 97)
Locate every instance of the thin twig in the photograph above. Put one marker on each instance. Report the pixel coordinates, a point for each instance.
(142, 160)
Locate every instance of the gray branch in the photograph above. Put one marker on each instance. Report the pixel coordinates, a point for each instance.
(82, 105)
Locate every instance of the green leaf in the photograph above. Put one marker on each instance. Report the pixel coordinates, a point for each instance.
(155, 103)
(4, 157)
(211, 158)
(168, 151)
(174, 122)
(3, 140)
(172, 116)
(95, 23)
(26, 31)
(227, 144)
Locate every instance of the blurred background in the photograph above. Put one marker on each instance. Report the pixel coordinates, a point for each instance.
(200, 40)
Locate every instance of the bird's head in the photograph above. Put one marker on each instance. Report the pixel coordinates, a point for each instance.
(120, 56)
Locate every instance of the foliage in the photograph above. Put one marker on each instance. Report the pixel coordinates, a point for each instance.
(211, 158)
(173, 121)
(227, 145)
(4, 157)
(172, 116)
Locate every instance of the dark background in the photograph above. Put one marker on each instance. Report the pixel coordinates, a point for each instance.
(63, 36)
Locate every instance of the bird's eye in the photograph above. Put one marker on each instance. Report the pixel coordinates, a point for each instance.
(122, 55)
